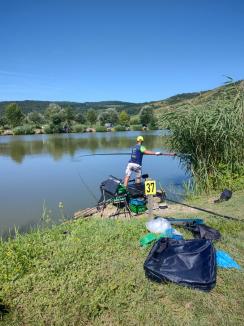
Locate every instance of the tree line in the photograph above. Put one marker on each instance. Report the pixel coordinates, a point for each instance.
(57, 119)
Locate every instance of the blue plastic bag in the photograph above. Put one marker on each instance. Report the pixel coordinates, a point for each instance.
(225, 261)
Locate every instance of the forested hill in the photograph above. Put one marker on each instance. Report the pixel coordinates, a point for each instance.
(174, 102)
(40, 106)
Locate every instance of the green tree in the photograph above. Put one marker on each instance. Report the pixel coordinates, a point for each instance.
(108, 116)
(69, 114)
(124, 118)
(146, 116)
(35, 118)
(113, 116)
(91, 116)
(103, 118)
(55, 117)
(52, 109)
(80, 118)
(13, 115)
(3, 120)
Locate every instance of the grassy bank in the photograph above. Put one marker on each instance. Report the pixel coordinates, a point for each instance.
(90, 272)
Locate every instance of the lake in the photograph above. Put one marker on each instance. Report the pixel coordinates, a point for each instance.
(40, 171)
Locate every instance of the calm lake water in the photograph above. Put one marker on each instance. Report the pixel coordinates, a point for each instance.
(43, 170)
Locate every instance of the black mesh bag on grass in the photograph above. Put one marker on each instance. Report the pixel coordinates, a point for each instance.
(202, 231)
(191, 263)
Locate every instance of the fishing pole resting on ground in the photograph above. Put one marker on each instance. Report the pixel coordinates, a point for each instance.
(200, 209)
(206, 211)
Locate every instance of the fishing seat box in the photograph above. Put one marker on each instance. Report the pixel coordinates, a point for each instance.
(109, 188)
(136, 190)
(137, 206)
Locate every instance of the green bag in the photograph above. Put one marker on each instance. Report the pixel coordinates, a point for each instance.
(150, 237)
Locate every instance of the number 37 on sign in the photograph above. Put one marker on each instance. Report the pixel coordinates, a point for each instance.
(150, 187)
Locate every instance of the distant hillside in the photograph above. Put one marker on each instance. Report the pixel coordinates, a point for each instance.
(40, 106)
(179, 101)
(188, 100)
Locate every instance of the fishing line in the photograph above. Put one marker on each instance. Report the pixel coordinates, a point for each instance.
(171, 191)
(87, 187)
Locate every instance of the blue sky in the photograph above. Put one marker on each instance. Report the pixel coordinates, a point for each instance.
(130, 50)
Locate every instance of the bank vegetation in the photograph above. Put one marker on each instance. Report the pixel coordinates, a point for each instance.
(212, 136)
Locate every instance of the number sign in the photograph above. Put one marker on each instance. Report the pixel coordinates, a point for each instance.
(150, 187)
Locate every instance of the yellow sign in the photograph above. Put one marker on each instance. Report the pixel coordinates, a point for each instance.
(150, 187)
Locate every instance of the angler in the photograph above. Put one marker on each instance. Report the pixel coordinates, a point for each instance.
(135, 162)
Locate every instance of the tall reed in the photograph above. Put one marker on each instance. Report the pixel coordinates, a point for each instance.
(214, 136)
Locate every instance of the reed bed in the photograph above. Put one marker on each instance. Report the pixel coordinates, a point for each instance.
(213, 135)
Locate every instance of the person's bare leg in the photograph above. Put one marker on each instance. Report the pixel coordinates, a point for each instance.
(138, 176)
(126, 181)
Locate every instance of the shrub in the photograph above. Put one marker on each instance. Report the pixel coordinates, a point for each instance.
(24, 130)
(52, 129)
(120, 128)
(135, 120)
(47, 129)
(136, 127)
(78, 128)
(101, 128)
(153, 127)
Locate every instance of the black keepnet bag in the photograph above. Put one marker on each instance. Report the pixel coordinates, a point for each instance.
(190, 263)
(202, 231)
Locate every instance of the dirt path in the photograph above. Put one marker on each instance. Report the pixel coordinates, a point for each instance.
(168, 209)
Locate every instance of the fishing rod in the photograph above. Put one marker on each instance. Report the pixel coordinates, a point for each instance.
(206, 210)
(200, 209)
(102, 154)
(111, 154)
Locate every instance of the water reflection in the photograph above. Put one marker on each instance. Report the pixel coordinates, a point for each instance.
(46, 173)
(57, 146)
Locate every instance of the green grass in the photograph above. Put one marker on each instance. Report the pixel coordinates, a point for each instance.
(90, 272)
